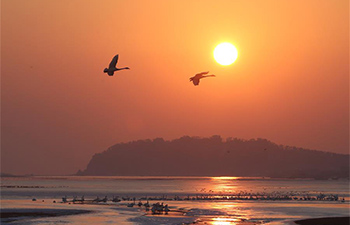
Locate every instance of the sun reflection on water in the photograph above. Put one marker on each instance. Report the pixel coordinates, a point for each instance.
(221, 185)
(224, 221)
(224, 178)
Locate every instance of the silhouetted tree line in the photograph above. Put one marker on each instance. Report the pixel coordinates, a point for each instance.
(196, 156)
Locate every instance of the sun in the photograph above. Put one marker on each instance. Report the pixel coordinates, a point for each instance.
(225, 54)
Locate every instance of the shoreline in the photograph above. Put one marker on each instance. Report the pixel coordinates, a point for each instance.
(13, 214)
(185, 212)
(9, 215)
(324, 221)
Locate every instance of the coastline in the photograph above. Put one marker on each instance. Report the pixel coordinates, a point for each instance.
(13, 214)
(225, 200)
(121, 213)
(324, 221)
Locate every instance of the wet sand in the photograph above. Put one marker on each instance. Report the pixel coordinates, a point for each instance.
(183, 212)
(9, 215)
(325, 221)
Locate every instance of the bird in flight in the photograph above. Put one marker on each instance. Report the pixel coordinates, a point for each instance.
(112, 66)
(199, 76)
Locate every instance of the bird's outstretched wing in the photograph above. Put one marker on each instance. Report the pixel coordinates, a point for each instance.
(114, 61)
(212, 75)
(202, 73)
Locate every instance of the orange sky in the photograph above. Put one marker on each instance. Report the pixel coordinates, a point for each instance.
(290, 83)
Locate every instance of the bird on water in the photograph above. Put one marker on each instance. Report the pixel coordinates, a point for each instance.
(199, 76)
(112, 66)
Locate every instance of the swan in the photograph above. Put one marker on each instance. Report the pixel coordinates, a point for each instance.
(112, 66)
(199, 76)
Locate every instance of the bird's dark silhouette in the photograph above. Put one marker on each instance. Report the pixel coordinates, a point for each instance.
(199, 76)
(113, 66)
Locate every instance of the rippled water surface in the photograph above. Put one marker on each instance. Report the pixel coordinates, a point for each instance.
(204, 200)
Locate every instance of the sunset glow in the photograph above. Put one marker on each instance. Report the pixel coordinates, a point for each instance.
(227, 112)
(281, 77)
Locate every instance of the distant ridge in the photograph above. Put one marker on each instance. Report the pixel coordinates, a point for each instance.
(194, 156)
(8, 175)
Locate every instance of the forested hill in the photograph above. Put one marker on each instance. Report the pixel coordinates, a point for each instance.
(194, 156)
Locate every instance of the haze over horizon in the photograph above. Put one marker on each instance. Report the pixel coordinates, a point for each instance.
(289, 84)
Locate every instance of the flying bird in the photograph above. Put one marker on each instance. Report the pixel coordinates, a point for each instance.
(199, 76)
(112, 66)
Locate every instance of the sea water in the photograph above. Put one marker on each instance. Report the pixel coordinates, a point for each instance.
(205, 200)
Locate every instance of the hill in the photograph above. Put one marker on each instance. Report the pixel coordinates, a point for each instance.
(194, 156)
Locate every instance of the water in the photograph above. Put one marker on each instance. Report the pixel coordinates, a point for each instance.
(17, 192)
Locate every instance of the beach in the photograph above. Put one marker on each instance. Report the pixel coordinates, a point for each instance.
(199, 200)
(325, 221)
(29, 212)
